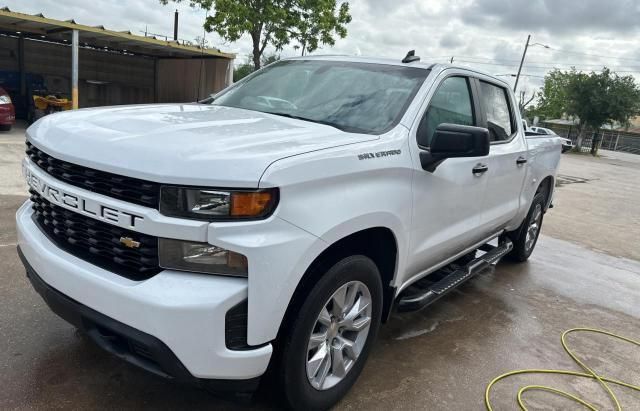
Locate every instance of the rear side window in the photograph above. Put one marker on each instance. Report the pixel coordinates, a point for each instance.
(451, 104)
(495, 101)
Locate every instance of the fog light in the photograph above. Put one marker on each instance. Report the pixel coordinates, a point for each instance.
(201, 258)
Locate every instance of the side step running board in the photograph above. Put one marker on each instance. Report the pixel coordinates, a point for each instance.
(417, 301)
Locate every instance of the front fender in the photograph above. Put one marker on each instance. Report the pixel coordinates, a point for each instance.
(328, 195)
(373, 220)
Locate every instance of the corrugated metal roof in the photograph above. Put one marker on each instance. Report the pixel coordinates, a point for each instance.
(38, 26)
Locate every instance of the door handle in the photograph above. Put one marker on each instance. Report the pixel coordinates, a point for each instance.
(521, 160)
(480, 169)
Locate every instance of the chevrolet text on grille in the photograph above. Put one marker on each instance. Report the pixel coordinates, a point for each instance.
(76, 202)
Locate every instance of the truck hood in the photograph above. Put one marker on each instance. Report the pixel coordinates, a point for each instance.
(191, 144)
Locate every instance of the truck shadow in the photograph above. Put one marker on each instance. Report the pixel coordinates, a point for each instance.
(72, 368)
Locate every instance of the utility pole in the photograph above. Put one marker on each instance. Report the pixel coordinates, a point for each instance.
(175, 26)
(75, 46)
(526, 46)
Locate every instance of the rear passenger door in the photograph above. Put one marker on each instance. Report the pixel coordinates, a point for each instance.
(447, 202)
(507, 155)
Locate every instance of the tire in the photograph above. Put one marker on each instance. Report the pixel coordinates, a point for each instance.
(5, 127)
(526, 236)
(303, 389)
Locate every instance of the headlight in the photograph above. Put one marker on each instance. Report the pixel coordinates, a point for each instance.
(201, 258)
(215, 205)
(5, 99)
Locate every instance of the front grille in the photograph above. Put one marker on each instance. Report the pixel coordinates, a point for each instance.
(132, 190)
(95, 241)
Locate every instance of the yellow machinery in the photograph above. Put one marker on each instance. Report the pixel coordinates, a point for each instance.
(47, 104)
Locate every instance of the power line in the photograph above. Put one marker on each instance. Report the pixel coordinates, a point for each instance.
(543, 65)
(495, 61)
(490, 59)
(591, 55)
(556, 66)
(521, 75)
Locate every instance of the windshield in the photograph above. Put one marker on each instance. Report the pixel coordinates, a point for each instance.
(354, 97)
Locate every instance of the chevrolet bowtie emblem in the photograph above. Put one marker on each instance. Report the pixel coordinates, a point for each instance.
(129, 242)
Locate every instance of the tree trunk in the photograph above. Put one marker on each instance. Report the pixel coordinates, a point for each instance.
(256, 57)
(595, 144)
(255, 37)
(580, 138)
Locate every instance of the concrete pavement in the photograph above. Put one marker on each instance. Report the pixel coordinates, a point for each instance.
(510, 317)
(598, 203)
(11, 153)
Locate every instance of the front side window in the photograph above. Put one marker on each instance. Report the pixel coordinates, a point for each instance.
(450, 104)
(352, 96)
(495, 101)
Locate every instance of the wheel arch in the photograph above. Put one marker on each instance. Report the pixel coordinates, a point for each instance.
(378, 243)
(546, 187)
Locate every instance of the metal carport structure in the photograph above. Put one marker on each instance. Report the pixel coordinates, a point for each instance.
(110, 67)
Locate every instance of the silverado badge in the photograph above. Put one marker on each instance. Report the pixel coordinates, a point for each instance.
(129, 242)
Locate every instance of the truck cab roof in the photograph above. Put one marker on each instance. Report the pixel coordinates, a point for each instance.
(426, 65)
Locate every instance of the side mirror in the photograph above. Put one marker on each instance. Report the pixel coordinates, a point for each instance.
(454, 140)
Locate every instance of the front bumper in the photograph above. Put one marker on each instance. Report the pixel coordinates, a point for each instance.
(181, 316)
(132, 345)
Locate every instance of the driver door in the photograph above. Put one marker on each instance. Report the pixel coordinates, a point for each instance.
(447, 202)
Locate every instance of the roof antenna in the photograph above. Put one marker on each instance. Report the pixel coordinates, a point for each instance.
(411, 57)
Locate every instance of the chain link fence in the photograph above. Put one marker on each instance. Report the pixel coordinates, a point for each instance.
(606, 139)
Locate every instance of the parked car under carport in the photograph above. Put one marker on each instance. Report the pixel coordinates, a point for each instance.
(7, 111)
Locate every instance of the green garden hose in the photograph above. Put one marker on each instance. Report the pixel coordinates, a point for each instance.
(603, 381)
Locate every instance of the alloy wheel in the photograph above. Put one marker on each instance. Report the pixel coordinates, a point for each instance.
(339, 335)
(534, 227)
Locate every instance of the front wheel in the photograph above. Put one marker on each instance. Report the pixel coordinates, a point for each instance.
(330, 338)
(526, 236)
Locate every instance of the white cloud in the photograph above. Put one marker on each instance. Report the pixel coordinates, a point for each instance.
(486, 34)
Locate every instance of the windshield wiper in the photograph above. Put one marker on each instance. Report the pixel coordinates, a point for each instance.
(347, 129)
(206, 100)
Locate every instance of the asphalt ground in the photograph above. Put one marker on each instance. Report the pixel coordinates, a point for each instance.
(583, 273)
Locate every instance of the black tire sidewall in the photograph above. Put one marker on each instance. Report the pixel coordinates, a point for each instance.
(520, 252)
(298, 391)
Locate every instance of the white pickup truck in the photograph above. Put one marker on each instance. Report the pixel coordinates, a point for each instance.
(278, 224)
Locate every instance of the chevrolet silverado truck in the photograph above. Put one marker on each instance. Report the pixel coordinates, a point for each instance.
(274, 226)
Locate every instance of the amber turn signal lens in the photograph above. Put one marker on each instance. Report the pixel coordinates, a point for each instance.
(251, 204)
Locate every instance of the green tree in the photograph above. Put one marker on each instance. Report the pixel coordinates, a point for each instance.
(269, 58)
(275, 22)
(595, 98)
(552, 99)
(601, 98)
(247, 68)
(242, 71)
(319, 24)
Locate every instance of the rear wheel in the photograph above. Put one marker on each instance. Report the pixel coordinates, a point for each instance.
(526, 236)
(5, 127)
(330, 338)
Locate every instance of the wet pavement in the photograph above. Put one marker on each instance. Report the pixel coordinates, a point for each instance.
(598, 203)
(439, 358)
(510, 317)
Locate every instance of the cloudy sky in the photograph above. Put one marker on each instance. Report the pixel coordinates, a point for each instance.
(485, 34)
